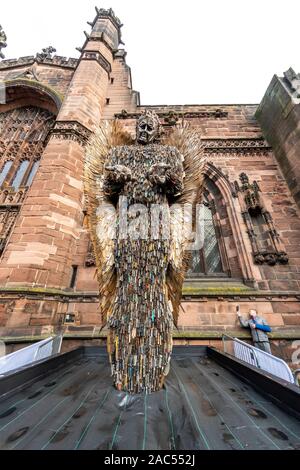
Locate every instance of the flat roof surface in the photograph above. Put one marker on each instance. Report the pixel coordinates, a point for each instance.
(203, 406)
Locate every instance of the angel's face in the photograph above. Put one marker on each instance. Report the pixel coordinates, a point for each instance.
(147, 131)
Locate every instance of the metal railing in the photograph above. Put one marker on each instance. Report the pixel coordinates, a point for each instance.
(258, 358)
(27, 356)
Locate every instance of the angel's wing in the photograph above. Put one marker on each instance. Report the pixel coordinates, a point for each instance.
(100, 211)
(188, 141)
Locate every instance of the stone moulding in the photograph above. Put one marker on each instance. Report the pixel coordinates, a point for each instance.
(58, 61)
(170, 118)
(194, 334)
(70, 130)
(236, 153)
(193, 295)
(34, 85)
(98, 38)
(99, 58)
(267, 247)
(236, 147)
(235, 143)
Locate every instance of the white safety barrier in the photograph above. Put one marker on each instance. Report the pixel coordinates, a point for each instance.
(26, 356)
(258, 358)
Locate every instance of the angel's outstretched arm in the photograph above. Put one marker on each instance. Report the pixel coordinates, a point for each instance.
(116, 174)
(169, 173)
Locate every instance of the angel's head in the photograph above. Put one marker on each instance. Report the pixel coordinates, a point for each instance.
(147, 128)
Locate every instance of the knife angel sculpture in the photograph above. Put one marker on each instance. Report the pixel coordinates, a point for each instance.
(135, 192)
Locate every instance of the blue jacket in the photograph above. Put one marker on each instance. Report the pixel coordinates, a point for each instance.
(259, 334)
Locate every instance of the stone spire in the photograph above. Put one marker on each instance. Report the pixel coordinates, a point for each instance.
(106, 27)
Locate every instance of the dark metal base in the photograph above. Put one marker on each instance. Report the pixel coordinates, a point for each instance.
(68, 402)
(282, 393)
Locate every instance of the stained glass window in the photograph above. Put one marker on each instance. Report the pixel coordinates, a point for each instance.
(4, 172)
(207, 260)
(17, 181)
(32, 173)
(24, 134)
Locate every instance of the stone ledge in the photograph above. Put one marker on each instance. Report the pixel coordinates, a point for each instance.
(58, 61)
(189, 293)
(178, 334)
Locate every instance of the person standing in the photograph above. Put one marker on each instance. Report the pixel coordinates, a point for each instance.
(259, 329)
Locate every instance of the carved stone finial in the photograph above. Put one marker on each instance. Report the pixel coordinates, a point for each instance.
(47, 53)
(111, 13)
(244, 179)
(171, 119)
(3, 44)
(293, 80)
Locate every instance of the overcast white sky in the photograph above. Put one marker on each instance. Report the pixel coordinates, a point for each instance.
(180, 52)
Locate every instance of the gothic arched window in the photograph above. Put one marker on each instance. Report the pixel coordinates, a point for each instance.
(19, 176)
(32, 173)
(23, 137)
(207, 260)
(4, 171)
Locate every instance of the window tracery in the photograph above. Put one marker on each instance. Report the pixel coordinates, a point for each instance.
(265, 240)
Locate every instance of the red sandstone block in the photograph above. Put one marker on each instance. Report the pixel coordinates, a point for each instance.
(46, 239)
(195, 319)
(41, 201)
(86, 308)
(25, 275)
(274, 319)
(53, 233)
(41, 278)
(291, 319)
(198, 307)
(76, 194)
(224, 319)
(64, 162)
(18, 319)
(90, 319)
(32, 222)
(51, 264)
(4, 274)
(39, 321)
(37, 185)
(87, 286)
(48, 308)
(55, 185)
(56, 280)
(226, 308)
(284, 285)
